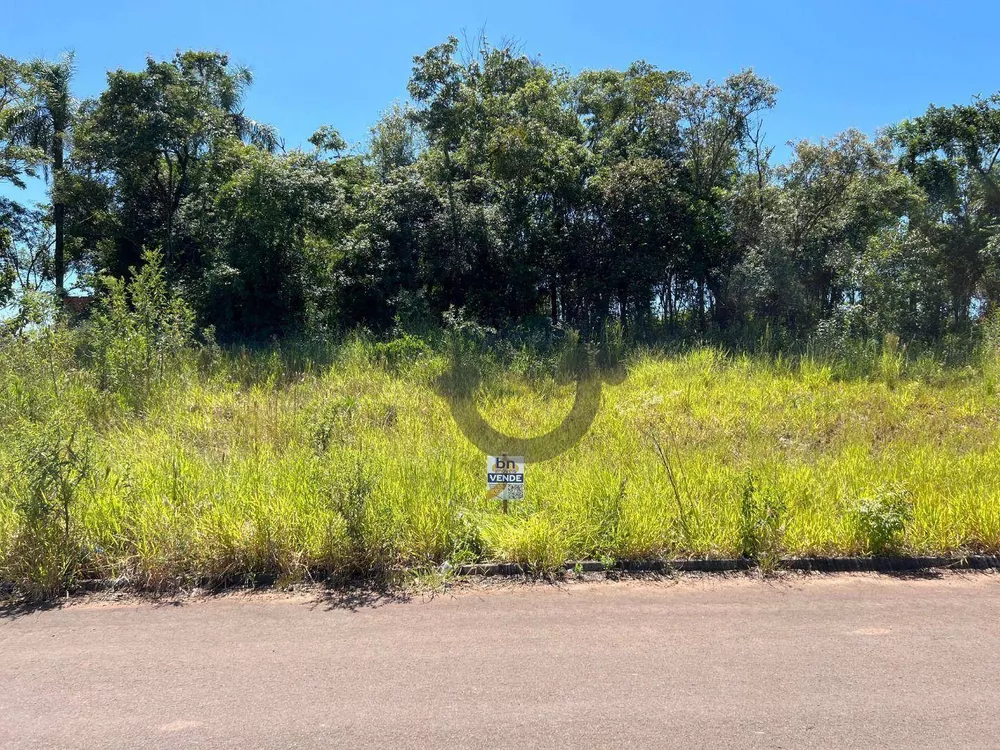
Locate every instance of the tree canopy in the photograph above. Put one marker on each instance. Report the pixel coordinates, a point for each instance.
(506, 191)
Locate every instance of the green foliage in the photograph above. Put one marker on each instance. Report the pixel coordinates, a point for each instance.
(327, 139)
(989, 353)
(881, 521)
(369, 534)
(45, 454)
(890, 364)
(272, 273)
(815, 322)
(394, 142)
(535, 542)
(298, 461)
(511, 189)
(151, 151)
(401, 351)
(139, 333)
(19, 157)
(762, 525)
(46, 552)
(951, 156)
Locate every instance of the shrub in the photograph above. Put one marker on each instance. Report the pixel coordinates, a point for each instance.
(762, 526)
(45, 551)
(139, 331)
(890, 363)
(395, 355)
(369, 533)
(881, 520)
(989, 353)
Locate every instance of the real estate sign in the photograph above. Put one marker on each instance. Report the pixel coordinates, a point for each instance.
(505, 478)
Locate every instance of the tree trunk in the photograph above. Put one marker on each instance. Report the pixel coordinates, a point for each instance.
(721, 311)
(701, 305)
(451, 203)
(58, 213)
(671, 305)
(554, 300)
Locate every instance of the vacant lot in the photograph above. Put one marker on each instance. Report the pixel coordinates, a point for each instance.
(215, 465)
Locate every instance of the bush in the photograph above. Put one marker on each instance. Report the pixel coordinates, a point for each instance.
(880, 521)
(369, 533)
(395, 355)
(45, 551)
(138, 332)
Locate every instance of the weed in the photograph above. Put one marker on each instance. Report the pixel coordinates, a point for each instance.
(682, 513)
(762, 526)
(139, 333)
(368, 534)
(535, 542)
(890, 364)
(880, 521)
(46, 552)
(395, 355)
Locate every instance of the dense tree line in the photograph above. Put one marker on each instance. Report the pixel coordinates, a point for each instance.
(504, 190)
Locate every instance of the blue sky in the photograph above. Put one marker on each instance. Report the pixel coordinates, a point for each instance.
(838, 64)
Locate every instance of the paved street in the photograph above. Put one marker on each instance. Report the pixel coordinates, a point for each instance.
(826, 661)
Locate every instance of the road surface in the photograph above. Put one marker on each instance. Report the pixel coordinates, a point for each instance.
(829, 662)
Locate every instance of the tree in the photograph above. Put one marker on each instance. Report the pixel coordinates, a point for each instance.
(387, 260)
(953, 154)
(643, 220)
(151, 138)
(46, 126)
(509, 191)
(900, 285)
(716, 123)
(828, 203)
(636, 201)
(19, 160)
(394, 141)
(505, 146)
(277, 217)
(438, 85)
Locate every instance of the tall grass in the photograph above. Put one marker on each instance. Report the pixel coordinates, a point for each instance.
(340, 459)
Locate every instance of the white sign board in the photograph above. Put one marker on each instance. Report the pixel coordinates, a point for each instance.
(505, 478)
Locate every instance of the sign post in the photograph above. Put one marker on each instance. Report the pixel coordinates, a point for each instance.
(505, 478)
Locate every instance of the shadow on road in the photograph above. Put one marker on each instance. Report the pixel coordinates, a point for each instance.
(11, 609)
(355, 598)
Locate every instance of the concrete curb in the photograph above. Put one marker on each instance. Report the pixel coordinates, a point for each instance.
(716, 565)
(721, 565)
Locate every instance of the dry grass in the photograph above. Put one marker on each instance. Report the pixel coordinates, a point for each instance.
(274, 464)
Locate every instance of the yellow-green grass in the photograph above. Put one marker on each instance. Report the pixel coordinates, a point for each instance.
(248, 468)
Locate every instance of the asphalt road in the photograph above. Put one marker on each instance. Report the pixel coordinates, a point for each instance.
(830, 662)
